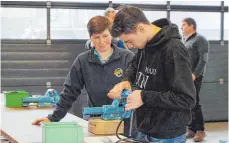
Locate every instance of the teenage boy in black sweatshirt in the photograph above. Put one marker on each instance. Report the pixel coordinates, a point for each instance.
(162, 73)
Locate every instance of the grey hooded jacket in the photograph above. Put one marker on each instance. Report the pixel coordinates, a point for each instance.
(97, 78)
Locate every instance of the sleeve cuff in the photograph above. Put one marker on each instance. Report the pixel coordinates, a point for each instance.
(196, 74)
(50, 117)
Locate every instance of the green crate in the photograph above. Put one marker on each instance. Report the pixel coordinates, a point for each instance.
(14, 98)
(62, 132)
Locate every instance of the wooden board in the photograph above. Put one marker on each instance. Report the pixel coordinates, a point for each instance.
(101, 127)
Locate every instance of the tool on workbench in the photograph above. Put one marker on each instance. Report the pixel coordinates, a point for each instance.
(50, 99)
(115, 111)
(105, 119)
(111, 118)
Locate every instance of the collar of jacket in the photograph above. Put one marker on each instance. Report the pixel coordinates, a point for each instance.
(190, 37)
(100, 58)
(94, 59)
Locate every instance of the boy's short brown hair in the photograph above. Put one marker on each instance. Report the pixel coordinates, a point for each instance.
(126, 20)
(98, 24)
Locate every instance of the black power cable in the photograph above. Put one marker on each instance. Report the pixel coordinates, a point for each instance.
(117, 135)
(128, 140)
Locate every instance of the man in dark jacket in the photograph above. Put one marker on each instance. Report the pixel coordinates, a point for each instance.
(162, 73)
(98, 70)
(197, 46)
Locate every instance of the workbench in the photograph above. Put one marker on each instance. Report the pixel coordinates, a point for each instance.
(16, 124)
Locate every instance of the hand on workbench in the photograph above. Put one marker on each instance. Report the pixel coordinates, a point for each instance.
(134, 100)
(37, 121)
(117, 90)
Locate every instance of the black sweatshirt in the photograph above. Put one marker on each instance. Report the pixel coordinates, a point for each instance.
(163, 72)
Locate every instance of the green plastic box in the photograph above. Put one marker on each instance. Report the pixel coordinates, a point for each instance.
(14, 98)
(62, 132)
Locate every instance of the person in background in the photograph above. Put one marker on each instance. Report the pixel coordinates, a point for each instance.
(97, 69)
(198, 47)
(161, 70)
(110, 14)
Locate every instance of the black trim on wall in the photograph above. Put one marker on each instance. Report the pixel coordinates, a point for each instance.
(74, 5)
(69, 41)
(31, 41)
(24, 4)
(217, 42)
(62, 5)
(148, 7)
(197, 8)
(23, 41)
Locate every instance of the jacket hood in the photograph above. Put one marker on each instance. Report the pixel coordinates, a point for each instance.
(88, 44)
(168, 31)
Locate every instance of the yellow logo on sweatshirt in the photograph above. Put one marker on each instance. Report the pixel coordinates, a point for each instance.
(118, 72)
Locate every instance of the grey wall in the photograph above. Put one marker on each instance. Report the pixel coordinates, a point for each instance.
(31, 66)
(213, 94)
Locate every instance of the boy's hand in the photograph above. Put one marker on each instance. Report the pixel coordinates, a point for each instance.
(118, 89)
(37, 121)
(134, 100)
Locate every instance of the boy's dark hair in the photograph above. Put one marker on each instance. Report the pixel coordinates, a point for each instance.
(98, 24)
(126, 20)
(190, 21)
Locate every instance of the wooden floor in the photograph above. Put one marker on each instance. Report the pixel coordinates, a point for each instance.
(215, 132)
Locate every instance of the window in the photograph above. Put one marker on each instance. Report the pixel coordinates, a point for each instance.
(23, 23)
(71, 23)
(205, 3)
(208, 24)
(154, 15)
